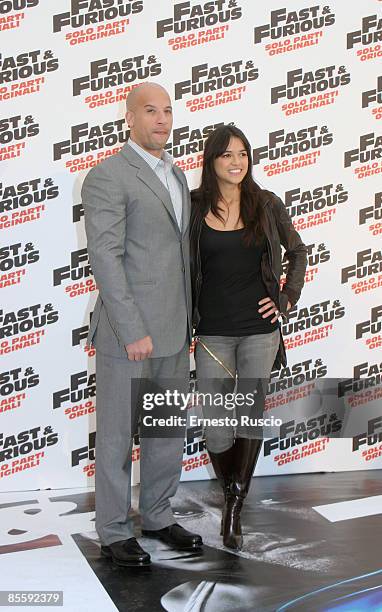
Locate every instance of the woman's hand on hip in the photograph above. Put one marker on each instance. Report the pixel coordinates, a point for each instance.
(268, 309)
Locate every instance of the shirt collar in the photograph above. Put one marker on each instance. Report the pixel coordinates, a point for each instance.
(153, 161)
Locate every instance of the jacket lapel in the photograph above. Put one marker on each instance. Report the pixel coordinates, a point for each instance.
(186, 198)
(150, 179)
(267, 228)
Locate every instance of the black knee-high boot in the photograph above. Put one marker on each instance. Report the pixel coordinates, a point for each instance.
(246, 453)
(223, 464)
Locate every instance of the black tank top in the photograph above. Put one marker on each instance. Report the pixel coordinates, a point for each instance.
(231, 285)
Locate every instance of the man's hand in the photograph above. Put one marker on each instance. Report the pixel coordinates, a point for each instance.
(140, 349)
(269, 308)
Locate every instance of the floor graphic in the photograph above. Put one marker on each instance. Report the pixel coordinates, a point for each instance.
(312, 542)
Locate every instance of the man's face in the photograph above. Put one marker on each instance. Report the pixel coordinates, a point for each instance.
(150, 119)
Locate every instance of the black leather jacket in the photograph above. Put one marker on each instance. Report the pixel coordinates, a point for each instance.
(279, 231)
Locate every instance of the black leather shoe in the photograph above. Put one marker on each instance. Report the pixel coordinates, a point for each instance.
(175, 536)
(127, 553)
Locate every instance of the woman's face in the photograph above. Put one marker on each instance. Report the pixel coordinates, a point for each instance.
(232, 166)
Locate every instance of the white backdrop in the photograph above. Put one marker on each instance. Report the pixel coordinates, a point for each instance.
(302, 80)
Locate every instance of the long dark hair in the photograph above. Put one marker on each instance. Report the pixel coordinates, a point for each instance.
(207, 195)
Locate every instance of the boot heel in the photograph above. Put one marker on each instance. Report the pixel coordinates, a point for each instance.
(232, 537)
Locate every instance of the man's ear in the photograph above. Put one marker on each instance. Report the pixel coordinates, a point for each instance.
(129, 118)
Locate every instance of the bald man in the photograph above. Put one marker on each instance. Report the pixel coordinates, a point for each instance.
(137, 208)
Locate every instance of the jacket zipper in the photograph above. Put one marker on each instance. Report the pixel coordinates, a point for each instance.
(199, 267)
(270, 253)
(269, 246)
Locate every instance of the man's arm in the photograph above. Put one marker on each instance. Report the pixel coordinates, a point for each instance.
(105, 224)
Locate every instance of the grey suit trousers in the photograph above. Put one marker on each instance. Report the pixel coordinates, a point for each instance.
(160, 459)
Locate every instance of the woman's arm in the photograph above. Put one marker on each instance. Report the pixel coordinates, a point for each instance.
(295, 252)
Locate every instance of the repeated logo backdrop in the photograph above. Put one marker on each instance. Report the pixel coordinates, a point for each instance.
(303, 80)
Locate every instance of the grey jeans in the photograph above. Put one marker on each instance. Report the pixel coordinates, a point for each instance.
(252, 358)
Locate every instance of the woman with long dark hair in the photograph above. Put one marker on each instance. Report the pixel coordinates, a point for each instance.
(237, 229)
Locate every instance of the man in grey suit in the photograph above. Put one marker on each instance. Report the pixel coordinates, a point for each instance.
(137, 208)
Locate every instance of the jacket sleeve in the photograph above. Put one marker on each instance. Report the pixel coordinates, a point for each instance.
(296, 254)
(105, 225)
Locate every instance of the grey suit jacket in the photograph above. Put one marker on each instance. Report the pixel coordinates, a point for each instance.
(139, 257)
